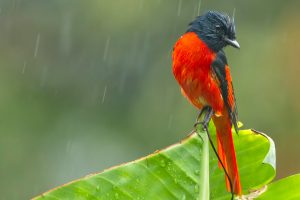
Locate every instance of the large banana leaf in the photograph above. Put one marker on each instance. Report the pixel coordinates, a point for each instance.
(287, 189)
(186, 170)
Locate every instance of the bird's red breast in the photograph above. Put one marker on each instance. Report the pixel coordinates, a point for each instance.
(192, 61)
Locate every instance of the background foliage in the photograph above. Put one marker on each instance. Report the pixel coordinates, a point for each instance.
(87, 84)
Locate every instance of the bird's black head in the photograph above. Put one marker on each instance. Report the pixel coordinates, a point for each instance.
(216, 29)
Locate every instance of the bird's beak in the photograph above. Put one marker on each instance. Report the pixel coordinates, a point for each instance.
(233, 43)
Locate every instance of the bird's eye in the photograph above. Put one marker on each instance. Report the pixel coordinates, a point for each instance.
(218, 27)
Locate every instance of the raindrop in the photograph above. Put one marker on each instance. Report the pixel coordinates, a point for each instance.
(69, 146)
(183, 197)
(24, 67)
(37, 45)
(141, 4)
(179, 8)
(199, 6)
(233, 13)
(104, 94)
(196, 188)
(197, 172)
(176, 181)
(65, 35)
(194, 13)
(98, 188)
(162, 163)
(106, 48)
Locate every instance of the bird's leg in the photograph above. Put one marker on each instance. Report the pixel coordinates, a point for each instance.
(203, 119)
(204, 116)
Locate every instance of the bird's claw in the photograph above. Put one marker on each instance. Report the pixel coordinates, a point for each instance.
(204, 125)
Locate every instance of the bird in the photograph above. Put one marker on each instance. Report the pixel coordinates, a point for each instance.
(200, 67)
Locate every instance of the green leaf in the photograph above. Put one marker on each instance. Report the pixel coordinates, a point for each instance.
(287, 188)
(181, 171)
(256, 161)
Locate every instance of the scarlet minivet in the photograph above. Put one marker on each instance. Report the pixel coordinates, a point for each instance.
(201, 69)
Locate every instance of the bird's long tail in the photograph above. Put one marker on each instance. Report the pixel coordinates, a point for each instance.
(227, 153)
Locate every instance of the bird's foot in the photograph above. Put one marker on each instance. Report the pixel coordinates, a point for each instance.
(204, 117)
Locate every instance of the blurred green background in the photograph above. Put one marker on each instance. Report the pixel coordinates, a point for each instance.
(86, 85)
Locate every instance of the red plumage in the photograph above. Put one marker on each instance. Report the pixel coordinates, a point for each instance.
(192, 68)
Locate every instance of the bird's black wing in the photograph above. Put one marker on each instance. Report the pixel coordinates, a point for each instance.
(222, 72)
